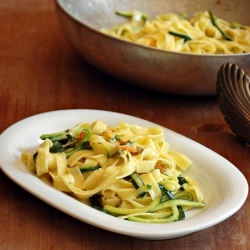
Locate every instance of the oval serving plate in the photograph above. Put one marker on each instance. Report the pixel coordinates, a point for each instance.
(224, 187)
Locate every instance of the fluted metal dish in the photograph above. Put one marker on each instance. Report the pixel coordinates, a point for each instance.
(233, 92)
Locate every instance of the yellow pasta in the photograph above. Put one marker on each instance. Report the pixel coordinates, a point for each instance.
(116, 169)
(201, 34)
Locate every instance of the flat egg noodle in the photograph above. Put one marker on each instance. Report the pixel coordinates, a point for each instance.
(205, 38)
(137, 150)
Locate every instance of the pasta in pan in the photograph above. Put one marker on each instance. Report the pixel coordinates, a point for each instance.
(126, 170)
(202, 34)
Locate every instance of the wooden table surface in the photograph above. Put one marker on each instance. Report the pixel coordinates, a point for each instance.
(39, 72)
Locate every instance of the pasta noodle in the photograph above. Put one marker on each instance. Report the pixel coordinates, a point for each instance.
(125, 170)
(202, 34)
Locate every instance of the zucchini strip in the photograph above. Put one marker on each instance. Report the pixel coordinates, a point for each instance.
(167, 193)
(136, 180)
(184, 195)
(87, 169)
(139, 185)
(122, 211)
(181, 35)
(178, 202)
(143, 190)
(172, 218)
(214, 22)
(148, 216)
(129, 14)
(182, 180)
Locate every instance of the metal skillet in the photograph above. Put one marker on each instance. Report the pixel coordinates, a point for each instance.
(155, 69)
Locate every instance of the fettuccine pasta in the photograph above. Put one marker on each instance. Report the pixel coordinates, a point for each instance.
(202, 34)
(126, 170)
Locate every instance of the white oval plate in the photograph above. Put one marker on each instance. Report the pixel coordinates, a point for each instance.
(224, 187)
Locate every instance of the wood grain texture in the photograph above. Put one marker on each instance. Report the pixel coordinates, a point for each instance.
(39, 72)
